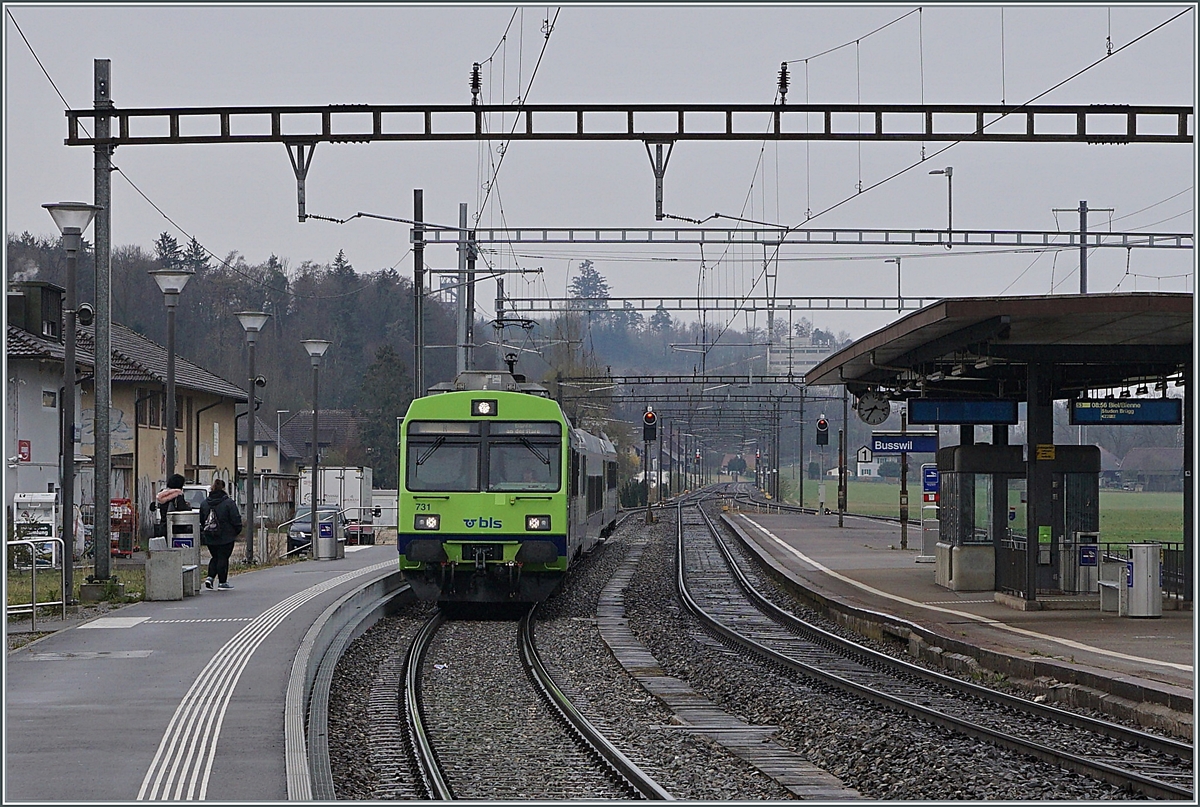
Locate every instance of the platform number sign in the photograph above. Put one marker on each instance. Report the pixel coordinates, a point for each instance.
(822, 431)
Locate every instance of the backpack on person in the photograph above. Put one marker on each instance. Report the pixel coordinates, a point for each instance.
(211, 530)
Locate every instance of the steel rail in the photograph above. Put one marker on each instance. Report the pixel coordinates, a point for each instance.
(1148, 787)
(1162, 745)
(580, 726)
(425, 757)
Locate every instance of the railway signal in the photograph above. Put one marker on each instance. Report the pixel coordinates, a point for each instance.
(649, 425)
(822, 431)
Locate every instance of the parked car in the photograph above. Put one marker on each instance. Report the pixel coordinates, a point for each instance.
(195, 495)
(300, 530)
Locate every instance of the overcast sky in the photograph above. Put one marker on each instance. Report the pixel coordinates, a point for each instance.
(243, 197)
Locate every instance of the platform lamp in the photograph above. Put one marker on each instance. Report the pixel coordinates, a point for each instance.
(252, 323)
(316, 349)
(899, 298)
(172, 281)
(949, 172)
(72, 218)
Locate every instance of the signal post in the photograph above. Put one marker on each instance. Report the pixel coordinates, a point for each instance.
(649, 435)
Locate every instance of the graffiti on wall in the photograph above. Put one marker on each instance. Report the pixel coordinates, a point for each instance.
(120, 432)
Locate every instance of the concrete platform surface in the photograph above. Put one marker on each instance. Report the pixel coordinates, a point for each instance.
(174, 700)
(861, 567)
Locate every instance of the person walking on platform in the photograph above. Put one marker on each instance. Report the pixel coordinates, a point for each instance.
(220, 533)
(169, 499)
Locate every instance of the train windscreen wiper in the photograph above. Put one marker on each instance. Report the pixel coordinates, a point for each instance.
(545, 459)
(436, 445)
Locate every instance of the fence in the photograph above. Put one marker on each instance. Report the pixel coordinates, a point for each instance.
(36, 548)
(1010, 566)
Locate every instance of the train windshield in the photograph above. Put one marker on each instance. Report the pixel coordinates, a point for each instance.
(443, 458)
(523, 464)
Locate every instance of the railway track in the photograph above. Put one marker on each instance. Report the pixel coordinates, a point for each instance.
(722, 596)
(486, 721)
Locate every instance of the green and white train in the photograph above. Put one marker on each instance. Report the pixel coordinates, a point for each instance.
(499, 495)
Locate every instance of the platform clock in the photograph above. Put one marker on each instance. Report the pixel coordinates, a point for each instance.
(874, 408)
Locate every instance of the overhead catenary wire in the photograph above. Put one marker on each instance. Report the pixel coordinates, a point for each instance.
(180, 228)
(1015, 110)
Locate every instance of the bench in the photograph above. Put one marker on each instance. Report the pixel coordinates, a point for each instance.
(191, 579)
(163, 582)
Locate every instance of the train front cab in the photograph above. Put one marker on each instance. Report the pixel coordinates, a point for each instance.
(483, 503)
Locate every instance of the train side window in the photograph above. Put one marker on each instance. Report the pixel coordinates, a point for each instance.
(574, 480)
(611, 468)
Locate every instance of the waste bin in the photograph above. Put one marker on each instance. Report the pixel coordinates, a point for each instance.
(1145, 584)
(326, 544)
(1079, 563)
(183, 533)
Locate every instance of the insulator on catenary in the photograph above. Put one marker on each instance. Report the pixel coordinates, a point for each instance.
(783, 82)
(476, 83)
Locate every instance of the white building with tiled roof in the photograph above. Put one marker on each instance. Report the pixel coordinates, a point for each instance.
(206, 445)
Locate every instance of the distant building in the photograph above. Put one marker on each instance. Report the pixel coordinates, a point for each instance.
(274, 454)
(1153, 469)
(338, 438)
(1110, 468)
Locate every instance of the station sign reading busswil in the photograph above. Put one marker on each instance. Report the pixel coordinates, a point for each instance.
(895, 443)
(1127, 412)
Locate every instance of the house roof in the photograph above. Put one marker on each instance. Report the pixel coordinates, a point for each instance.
(1165, 460)
(136, 358)
(23, 344)
(1108, 460)
(335, 427)
(265, 433)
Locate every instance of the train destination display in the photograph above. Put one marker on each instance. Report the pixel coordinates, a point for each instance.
(957, 411)
(1127, 412)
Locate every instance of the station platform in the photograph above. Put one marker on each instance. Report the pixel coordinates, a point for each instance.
(1139, 668)
(176, 700)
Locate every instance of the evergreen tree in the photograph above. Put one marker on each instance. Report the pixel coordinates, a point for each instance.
(196, 257)
(661, 321)
(589, 284)
(386, 393)
(168, 252)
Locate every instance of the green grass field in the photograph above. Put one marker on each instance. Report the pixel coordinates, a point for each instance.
(1125, 516)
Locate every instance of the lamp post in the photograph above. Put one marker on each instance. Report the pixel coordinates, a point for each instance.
(279, 413)
(949, 172)
(899, 298)
(171, 281)
(252, 323)
(72, 219)
(316, 349)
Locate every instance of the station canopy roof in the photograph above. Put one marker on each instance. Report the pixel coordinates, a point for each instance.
(980, 347)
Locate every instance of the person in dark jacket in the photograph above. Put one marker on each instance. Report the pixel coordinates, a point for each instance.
(229, 520)
(169, 499)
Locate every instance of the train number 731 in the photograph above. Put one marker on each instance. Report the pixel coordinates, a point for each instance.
(422, 505)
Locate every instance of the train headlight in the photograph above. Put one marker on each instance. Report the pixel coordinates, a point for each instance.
(424, 522)
(483, 408)
(537, 523)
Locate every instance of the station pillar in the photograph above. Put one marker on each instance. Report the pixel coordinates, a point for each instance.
(1189, 493)
(1040, 455)
(1000, 525)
